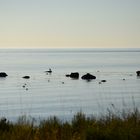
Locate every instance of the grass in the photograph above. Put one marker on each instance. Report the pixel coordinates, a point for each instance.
(123, 125)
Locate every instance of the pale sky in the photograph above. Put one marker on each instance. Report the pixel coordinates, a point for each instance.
(69, 23)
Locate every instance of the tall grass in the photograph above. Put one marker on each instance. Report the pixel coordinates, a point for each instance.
(124, 125)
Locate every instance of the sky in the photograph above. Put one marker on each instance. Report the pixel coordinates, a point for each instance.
(69, 23)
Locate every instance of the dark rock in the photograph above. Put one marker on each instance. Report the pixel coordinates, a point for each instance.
(103, 80)
(3, 74)
(67, 75)
(24, 85)
(138, 73)
(88, 76)
(74, 75)
(26, 77)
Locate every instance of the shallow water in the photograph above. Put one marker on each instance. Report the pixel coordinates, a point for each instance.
(46, 95)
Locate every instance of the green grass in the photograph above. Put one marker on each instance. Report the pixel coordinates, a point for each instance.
(123, 125)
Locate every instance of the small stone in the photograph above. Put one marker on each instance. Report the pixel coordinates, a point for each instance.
(103, 80)
(26, 77)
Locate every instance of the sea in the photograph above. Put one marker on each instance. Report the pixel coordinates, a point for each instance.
(53, 94)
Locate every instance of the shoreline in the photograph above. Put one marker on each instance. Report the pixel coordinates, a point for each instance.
(114, 125)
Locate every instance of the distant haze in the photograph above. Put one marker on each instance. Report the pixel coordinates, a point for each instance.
(69, 23)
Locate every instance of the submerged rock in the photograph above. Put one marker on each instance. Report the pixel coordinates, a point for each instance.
(138, 73)
(3, 74)
(74, 75)
(88, 76)
(26, 77)
(23, 86)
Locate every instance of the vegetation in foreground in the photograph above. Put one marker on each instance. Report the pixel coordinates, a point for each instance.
(120, 126)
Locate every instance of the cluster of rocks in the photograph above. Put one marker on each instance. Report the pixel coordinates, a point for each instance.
(3, 75)
(75, 75)
(25, 86)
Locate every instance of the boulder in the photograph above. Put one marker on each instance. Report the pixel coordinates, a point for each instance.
(88, 76)
(3, 74)
(74, 75)
(26, 77)
(138, 73)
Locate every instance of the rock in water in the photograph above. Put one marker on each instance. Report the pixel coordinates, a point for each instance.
(67, 75)
(74, 75)
(88, 76)
(26, 77)
(3, 74)
(103, 80)
(138, 73)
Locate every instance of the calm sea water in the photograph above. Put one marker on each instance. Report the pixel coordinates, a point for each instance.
(55, 94)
